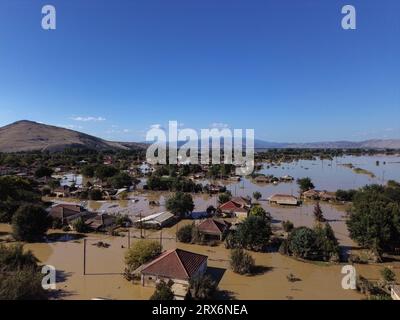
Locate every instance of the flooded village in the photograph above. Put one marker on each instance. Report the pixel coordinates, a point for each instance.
(102, 206)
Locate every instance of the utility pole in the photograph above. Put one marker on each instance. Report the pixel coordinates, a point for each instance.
(141, 224)
(84, 256)
(161, 238)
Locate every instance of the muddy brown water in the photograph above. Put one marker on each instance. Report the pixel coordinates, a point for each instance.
(104, 266)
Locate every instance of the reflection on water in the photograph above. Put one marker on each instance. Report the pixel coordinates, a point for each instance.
(325, 174)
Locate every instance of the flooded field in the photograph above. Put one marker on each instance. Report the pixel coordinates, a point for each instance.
(104, 266)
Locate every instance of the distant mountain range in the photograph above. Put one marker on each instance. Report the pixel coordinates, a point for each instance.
(32, 136)
(367, 144)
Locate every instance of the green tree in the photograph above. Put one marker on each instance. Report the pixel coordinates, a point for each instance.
(201, 287)
(259, 211)
(287, 226)
(345, 195)
(79, 225)
(30, 223)
(163, 291)
(19, 275)
(88, 171)
(95, 194)
(180, 204)
(374, 218)
(14, 258)
(224, 197)
(184, 234)
(388, 275)
(252, 234)
(103, 172)
(326, 243)
(318, 214)
(43, 172)
(140, 253)
(301, 243)
(241, 262)
(24, 284)
(120, 180)
(305, 184)
(257, 195)
(14, 192)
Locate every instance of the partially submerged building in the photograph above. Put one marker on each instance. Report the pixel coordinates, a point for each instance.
(284, 199)
(236, 207)
(213, 229)
(67, 213)
(176, 265)
(157, 220)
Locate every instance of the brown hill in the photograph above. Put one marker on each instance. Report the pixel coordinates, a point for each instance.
(32, 136)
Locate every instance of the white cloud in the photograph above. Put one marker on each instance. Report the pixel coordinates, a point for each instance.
(156, 126)
(70, 126)
(86, 119)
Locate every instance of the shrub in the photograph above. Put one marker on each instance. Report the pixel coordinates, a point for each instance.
(163, 291)
(241, 262)
(79, 225)
(95, 194)
(388, 275)
(201, 287)
(184, 234)
(287, 226)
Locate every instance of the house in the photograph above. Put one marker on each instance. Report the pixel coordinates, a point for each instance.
(311, 194)
(212, 188)
(262, 179)
(176, 265)
(327, 196)
(283, 199)
(62, 192)
(286, 178)
(157, 220)
(245, 202)
(395, 292)
(213, 229)
(101, 222)
(67, 212)
(236, 207)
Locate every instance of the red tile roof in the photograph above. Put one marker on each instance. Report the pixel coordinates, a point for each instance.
(232, 206)
(212, 226)
(175, 264)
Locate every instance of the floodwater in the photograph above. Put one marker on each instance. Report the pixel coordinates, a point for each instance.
(104, 266)
(325, 174)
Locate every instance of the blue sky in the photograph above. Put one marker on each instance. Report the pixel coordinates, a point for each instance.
(283, 67)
